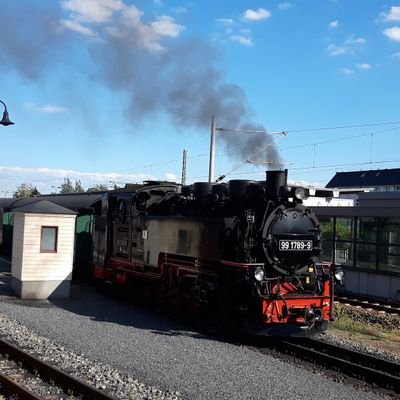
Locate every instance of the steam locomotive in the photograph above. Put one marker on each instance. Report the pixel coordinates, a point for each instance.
(239, 254)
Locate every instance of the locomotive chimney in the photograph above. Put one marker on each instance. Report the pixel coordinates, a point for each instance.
(275, 180)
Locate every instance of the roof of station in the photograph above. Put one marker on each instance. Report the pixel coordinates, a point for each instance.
(370, 178)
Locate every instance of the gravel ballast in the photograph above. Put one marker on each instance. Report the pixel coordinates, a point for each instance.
(140, 354)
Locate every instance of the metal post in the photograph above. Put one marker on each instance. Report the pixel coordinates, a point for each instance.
(212, 149)
(184, 167)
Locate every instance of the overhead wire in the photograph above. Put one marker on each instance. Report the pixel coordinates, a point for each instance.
(161, 164)
(309, 169)
(340, 139)
(341, 127)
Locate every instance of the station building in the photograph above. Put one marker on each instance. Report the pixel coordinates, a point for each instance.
(361, 230)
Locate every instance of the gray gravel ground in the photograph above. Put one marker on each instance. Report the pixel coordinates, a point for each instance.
(164, 353)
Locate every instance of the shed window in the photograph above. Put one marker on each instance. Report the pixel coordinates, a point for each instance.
(48, 242)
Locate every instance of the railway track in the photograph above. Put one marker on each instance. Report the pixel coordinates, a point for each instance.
(390, 307)
(374, 371)
(29, 378)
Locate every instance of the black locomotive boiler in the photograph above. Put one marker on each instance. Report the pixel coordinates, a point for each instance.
(243, 251)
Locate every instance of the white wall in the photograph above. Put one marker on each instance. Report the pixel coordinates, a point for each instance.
(18, 244)
(328, 202)
(28, 263)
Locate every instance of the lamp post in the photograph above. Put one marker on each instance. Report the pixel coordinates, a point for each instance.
(5, 120)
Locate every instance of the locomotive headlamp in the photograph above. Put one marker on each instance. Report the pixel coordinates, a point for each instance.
(259, 274)
(339, 274)
(313, 314)
(300, 193)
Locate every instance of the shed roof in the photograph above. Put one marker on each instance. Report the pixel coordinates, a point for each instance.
(44, 207)
(73, 201)
(370, 178)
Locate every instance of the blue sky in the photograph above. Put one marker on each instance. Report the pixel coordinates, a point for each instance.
(113, 90)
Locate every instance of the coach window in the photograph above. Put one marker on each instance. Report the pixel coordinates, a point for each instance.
(343, 245)
(366, 242)
(389, 245)
(48, 241)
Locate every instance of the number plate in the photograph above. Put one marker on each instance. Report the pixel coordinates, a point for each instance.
(295, 245)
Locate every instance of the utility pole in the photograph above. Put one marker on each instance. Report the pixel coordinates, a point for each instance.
(214, 130)
(212, 149)
(184, 167)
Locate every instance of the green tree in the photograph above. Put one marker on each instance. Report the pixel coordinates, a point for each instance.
(343, 230)
(78, 187)
(68, 187)
(98, 188)
(26, 190)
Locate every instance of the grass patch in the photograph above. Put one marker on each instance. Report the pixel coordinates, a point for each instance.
(355, 323)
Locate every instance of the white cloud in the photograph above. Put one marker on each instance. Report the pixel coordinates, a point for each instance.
(171, 177)
(123, 22)
(147, 36)
(77, 27)
(48, 109)
(166, 26)
(392, 15)
(180, 10)
(364, 66)
(284, 6)
(242, 40)
(47, 180)
(347, 71)
(257, 15)
(53, 109)
(393, 33)
(334, 50)
(354, 40)
(334, 24)
(92, 11)
(396, 55)
(349, 46)
(225, 21)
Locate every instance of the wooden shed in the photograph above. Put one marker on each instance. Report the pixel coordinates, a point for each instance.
(42, 250)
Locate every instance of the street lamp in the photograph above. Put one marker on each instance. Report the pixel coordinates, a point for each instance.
(5, 120)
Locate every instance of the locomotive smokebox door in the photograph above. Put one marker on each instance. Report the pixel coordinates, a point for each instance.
(291, 239)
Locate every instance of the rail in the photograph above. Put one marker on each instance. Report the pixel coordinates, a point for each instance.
(390, 307)
(373, 370)
(48, 373)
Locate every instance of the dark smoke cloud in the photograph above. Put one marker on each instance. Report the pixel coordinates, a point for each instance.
(28, 44)
(184, 81)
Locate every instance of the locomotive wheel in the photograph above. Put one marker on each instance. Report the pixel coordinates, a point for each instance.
(216, 316)
(209, 320)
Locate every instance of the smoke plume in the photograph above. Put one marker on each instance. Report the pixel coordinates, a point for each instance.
(151, 62)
